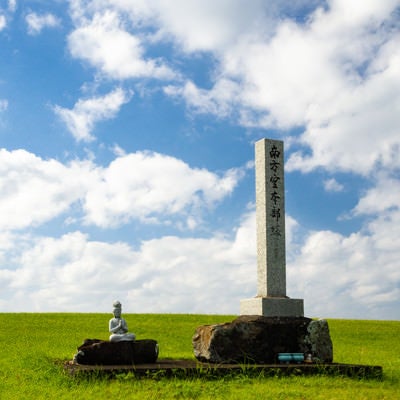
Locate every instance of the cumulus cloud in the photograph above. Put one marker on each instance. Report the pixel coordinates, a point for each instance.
(167, 274)
(81, 119)
(148, 192)
(3, 22)
(6, 13)
(12, 5)
(332, 185)
(104, 43)
(73, 273)
(343, 276)
(208, 25)
(335, 73)
(218, 101)
(384, 196)
(338, 276)
(37, 22)
(330, 70)
(324, 76)
(57, 273)
(34, 191)
(185, 21)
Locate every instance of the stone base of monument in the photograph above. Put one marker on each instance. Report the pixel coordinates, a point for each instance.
(185, 368)
(101, 352)
(272, 306)
(253, 339)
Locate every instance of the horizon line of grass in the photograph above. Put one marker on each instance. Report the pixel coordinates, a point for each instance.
(188, 313)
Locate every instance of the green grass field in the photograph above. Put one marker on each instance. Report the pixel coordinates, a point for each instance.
(34, 346)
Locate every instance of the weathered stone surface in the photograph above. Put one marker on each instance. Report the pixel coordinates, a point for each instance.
(251, 339)
(100, 352)
(318, 341)
(271, 299)
(258, 339)
(270, 218)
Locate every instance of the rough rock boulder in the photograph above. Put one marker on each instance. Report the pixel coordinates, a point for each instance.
(318, 341)
(258, 339)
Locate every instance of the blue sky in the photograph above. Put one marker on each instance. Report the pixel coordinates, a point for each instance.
(127, 133)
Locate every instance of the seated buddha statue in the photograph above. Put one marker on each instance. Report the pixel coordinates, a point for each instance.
(118, 326)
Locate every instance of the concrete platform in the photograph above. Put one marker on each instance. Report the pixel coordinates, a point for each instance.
(189, 368)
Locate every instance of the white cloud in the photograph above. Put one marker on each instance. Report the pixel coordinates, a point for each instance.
(12, 5)
(219, 101)
(323, 76)
(3, 22)
(332, 185)
(338, 276)
(72, 273)
(209, 25)
(149, 191)
(104, 43)
(86, 113)
(195, 25)
(3, 105)
(357, 275)
(36, 22)
(382, 197)
(138, 186)
(336, 74)
(33, 190)
(363, 133)
(333, 71)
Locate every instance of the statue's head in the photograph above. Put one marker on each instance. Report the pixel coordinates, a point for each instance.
(117, 309)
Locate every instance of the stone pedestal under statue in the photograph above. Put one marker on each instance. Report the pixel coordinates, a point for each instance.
(102, 352)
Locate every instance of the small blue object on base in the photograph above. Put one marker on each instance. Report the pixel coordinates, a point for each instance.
(287, 358)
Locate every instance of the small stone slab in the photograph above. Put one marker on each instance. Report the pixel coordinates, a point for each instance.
(189, 367)
(272, 307)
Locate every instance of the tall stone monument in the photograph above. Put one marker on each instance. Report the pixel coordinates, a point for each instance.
(271, 299)
(271, 324)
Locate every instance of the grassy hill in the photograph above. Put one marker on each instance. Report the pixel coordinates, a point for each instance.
(33, 347)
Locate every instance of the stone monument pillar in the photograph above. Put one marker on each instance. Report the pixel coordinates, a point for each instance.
(271, 299)
(270, 323)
